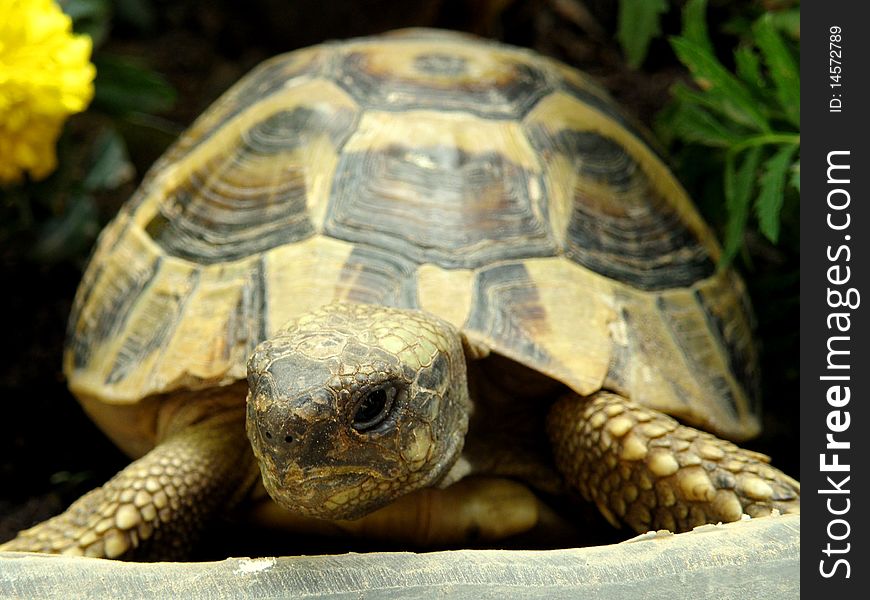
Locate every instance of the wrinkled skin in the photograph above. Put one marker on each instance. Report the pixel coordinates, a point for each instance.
(351, 407)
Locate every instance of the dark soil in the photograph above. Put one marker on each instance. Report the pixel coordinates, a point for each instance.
(50, 453)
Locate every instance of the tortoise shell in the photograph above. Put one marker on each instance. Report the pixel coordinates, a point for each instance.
(496, 188)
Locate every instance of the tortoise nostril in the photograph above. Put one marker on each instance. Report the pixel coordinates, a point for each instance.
(287, 438)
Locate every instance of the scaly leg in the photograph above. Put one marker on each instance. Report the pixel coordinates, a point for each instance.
(156, 506)
(643, 468)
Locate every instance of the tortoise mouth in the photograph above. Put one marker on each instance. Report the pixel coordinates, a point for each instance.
(326, 483)
(328, 493)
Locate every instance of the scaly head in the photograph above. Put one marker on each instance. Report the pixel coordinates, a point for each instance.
(351, 406)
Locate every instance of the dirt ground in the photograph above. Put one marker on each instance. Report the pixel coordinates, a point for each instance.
(50, 453)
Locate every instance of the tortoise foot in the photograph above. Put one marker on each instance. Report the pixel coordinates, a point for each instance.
(153, 508)
(645, 469)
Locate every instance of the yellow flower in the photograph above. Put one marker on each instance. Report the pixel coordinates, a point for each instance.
(45, 76)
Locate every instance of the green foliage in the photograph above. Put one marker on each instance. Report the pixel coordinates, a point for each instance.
(125, 86)
(747, 119)
(738, 190)
(723, 92)
(639, 24)
(771, 192)
(59, 218)
(782, 67)
(90, 16)
(695, 25)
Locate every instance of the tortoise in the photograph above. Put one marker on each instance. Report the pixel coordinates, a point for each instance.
(403, 261)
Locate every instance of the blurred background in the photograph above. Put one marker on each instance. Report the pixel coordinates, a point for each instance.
(715, 80)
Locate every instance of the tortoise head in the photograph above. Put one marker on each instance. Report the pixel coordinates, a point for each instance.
(352, 406)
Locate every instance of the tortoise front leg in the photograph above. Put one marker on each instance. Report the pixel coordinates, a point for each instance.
(643, 468)
(155, 507)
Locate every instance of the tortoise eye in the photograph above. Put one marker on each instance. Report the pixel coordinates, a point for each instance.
(374, 408)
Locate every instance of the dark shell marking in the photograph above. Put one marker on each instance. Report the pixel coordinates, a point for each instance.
(444, 82)
(110, 311)
(730, 317)
(156, 320)
(506, 307)
(389, 199)
(641, 240)
(379, 171)
(229, 209)
(266, 80)
(374, 276)
(439, 63)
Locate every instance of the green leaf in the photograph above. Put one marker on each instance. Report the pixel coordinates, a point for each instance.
(692, 123)
(788, 22)
(91, 17)
(724, 91)
(748, 67)
(110, 164)
(695, 24)
(782, 67)
(772, 192)
(795, 179)
(639, 23)
(739, 184)
(737, 25)
(123, 87)
(714, 102)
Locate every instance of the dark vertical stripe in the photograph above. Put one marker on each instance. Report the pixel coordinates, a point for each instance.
(145, 338)
(733, 332)
(681, 323)
(506, 307)
(110, 315)
(260, 299)
(372, 276)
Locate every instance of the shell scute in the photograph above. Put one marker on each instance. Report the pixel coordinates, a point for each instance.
(497, 189)
(452, 74)
(398, 174)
